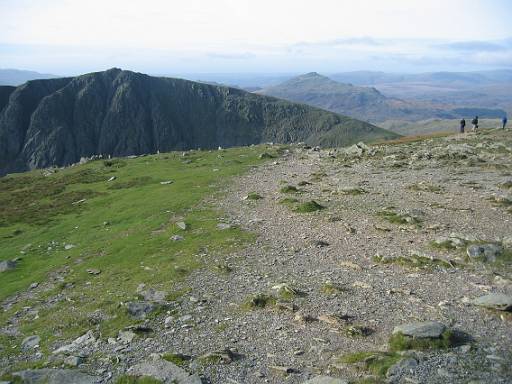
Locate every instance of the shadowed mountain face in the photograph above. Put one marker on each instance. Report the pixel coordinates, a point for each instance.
(58, 121)
(365, 103)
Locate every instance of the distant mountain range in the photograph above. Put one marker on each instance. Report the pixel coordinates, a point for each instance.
(18, 77)
(365, 103)
(446, 79)
(57, 121)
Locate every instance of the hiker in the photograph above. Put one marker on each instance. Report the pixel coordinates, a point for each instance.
(504, 121)
(462, 125)
(475, 123)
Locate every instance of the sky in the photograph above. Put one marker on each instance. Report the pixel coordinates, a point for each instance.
(68, 37)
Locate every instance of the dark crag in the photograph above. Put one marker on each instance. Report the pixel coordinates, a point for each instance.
(57, 121)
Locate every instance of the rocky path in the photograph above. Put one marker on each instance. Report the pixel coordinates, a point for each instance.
(319, 285)
(328, 258)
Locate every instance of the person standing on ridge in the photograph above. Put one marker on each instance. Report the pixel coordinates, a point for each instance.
(462, 125)
(475, 123)
(504, 121)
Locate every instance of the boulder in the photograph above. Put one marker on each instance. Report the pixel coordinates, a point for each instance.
(73, 361)
(357, 149)
(164, 371)
(30, 342)
(140, 309)
(7, 265)
(56, 376)
(488, 252)
(182, 225)
(224, 356)
(497, 301)
(86, 339)
(421, 330)
(403, 366)
(126, 336)
(151, 294)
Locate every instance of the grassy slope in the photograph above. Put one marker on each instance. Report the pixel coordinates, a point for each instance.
(133, 248)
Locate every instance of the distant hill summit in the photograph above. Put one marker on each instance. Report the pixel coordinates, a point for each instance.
(17, 77)
(323, 92)
(365, 103)
(56, 122)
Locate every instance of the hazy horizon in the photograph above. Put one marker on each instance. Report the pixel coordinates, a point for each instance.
(66, 37)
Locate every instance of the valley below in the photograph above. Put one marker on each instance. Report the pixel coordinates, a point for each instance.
(389, 263)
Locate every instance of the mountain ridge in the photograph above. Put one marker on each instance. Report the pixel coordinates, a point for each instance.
(118, 113)
(360, 102)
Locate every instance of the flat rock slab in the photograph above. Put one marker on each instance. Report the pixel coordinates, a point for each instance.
(139, 309)
(421, 330)
(165, 371)
(56, 376)
(7, 265)
(326, 380)
(490, 252)
(30, 342)
(497, 301)
(403, 366)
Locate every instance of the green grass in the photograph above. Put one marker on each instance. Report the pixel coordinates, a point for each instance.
(259, 301)
(399, 342)
(289, 189)
(11, 379)
(126, 379)
(254, 196)
(330, 288)
(425, 187)
(38, 217)
(447, 244)
(308, 206)
(288, 201)
(287, 292)
(376, 363)
(318, 176)
(176, 358)
(397, 218)
(414, 261)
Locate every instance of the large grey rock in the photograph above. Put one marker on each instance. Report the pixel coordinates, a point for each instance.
(165, 371)
(140, 309)
(150, 294)
(73, 361)
(497, 301)
(7, 265)
(421, 330)
(56, 376)
(489, 252)
(452, 242)
(30, 342)
(403, 366)
(326, 380)
(86, 339)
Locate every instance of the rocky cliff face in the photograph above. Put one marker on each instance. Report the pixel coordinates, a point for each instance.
(58, 121)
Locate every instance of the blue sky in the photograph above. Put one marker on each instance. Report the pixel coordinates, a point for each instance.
(174, 36)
